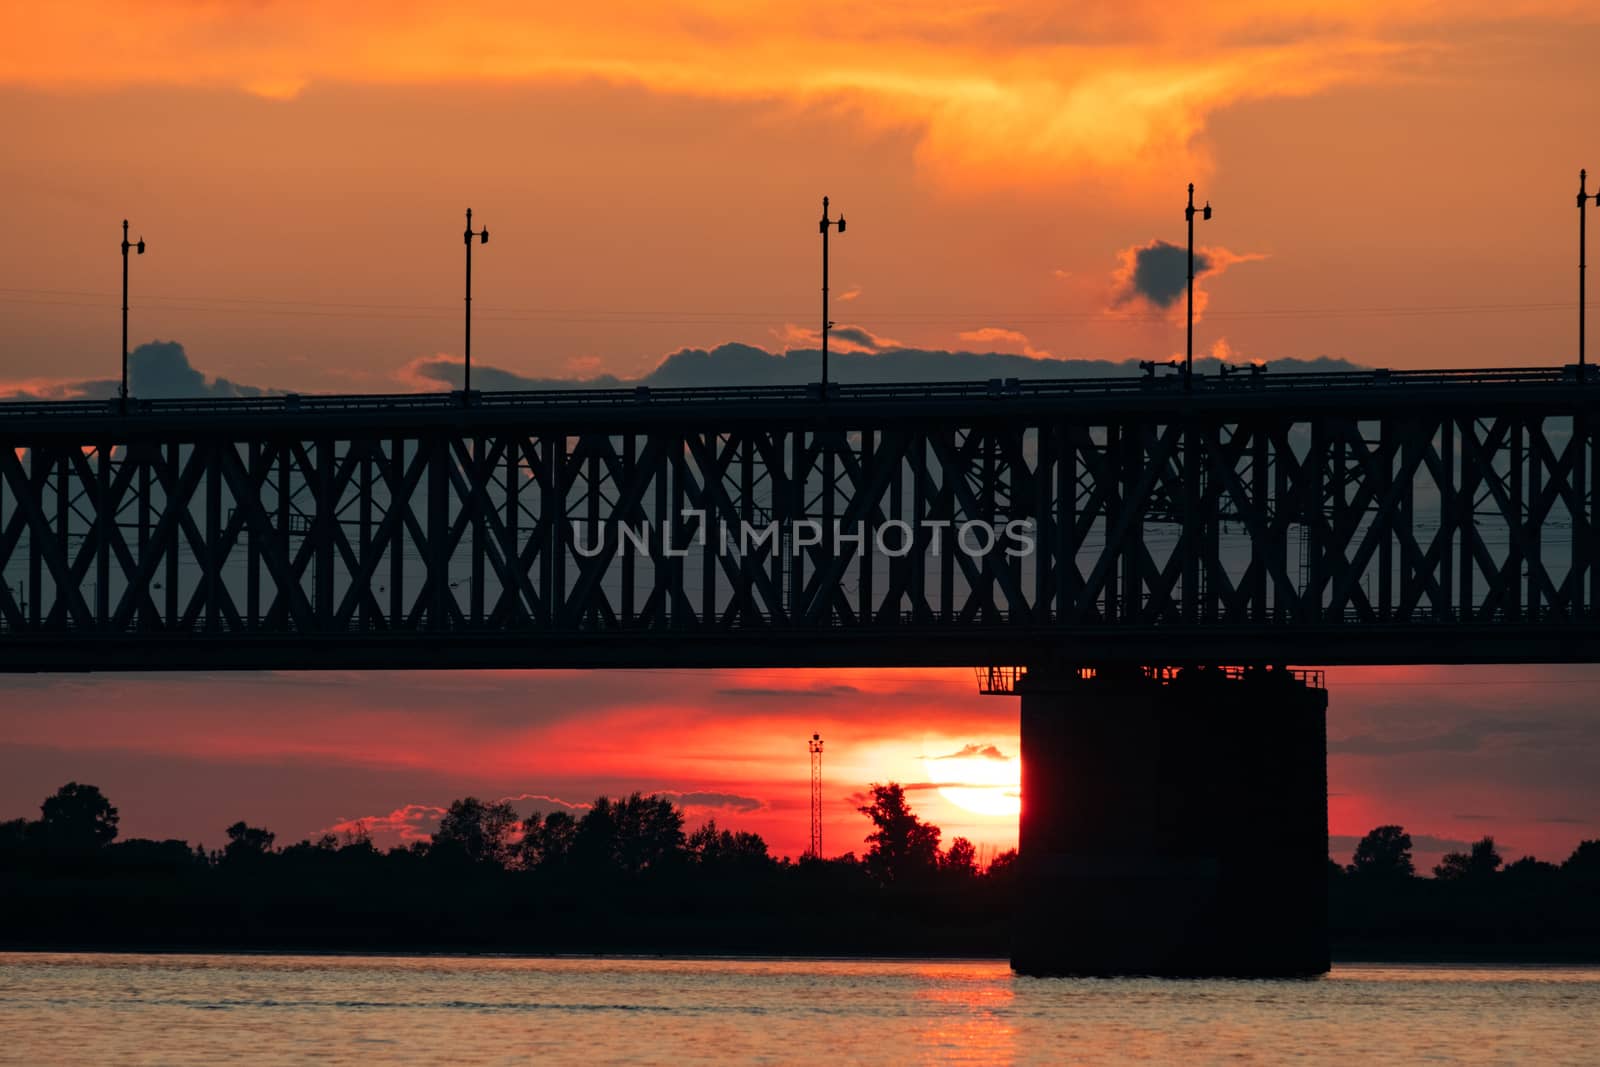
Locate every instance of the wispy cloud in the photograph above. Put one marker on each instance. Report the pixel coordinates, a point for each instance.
(983, 751)
(407, 823)
(545, 802)
(1468, 736)
(1001, 338)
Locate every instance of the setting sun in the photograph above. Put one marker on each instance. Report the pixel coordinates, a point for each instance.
(980, 780)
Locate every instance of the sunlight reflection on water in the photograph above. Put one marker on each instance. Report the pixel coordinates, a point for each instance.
(86, 1008)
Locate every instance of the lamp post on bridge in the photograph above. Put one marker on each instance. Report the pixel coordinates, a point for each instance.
(466, 348)
(1584, 196)
(122, 393)
(1188, 349)
(827, 324)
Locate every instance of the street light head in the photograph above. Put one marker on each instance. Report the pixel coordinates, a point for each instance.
(484, 235)
(1205, 212)
(841, 223)
(140, 246)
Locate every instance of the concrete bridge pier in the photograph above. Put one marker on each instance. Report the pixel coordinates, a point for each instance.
(1174, 822)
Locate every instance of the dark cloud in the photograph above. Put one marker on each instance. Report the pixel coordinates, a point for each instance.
(855, 335)
(161, 369)
(816, 692)
(986, 751)
(740, 364)
(157, 370)
(434, 371)
(1466, 737)
(730, 801)
(864, 799)
(1160, 273)
(543, 802)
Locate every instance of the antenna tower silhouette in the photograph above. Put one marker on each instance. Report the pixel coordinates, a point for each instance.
(815, 851)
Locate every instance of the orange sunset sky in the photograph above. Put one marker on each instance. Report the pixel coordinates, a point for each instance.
(1394, 186)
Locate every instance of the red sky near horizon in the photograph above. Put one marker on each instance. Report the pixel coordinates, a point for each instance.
(1393, 182)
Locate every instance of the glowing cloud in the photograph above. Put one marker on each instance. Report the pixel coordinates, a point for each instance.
(403, 825)
(978, 778)
(998, 93)
(995, 338)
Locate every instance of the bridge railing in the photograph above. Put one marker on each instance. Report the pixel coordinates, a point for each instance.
(1004, 681)
(333, 404)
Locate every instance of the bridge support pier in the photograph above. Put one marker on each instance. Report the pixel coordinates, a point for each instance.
(1174, 822)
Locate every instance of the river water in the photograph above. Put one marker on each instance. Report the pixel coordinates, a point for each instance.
(93, 1008)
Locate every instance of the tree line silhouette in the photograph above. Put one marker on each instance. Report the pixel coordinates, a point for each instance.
(625, 875)
(1474, 905)
(1384, 856)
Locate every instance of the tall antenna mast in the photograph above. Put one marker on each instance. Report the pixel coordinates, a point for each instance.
(815, 851)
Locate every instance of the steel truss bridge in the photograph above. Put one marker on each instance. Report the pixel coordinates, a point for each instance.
(1348, 518)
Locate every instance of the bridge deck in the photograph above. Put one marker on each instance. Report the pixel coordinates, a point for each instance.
(1376, 517)
(1347, 387)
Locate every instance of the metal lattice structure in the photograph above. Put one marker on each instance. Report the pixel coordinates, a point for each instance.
(815, 747)
(1315, 518)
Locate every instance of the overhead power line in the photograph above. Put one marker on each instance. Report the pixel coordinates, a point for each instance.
(655, 316)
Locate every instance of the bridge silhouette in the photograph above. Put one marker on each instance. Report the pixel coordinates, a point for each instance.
(1318, 518)
(1120, 538)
